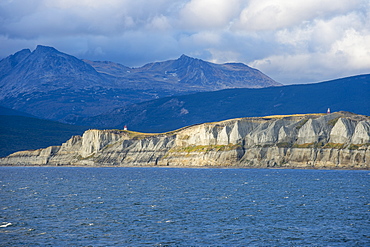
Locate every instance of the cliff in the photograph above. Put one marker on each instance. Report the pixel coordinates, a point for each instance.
(337, 140)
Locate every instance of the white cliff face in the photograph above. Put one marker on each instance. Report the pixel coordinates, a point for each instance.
(361, 134)
(308, 133)
(338, 140)
(271, 132)
(342, 131)
(94, 140)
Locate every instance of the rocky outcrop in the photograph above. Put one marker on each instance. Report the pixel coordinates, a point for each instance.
(337, 140)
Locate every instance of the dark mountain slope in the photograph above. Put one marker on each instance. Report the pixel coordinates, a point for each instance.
(8, 64)
(347, 94)
(24, 133)
(10, 112)
(109, 68)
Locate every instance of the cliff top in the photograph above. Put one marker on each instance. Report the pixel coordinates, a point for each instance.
(292, 117)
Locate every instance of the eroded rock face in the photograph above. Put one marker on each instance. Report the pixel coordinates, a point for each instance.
(362, 133)
(338, 140)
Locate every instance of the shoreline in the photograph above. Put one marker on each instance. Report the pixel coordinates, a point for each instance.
(199, 167)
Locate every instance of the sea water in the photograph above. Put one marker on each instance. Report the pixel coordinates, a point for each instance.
(45, 206)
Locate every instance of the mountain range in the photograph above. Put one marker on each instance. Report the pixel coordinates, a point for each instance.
(53, 85)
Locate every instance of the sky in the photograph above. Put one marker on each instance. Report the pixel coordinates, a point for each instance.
(292, 41)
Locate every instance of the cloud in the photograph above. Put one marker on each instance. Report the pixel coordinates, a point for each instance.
(321, 49)
(159, 23)
(208, 14)
(353, 50)
(271, 15)
(291, 41)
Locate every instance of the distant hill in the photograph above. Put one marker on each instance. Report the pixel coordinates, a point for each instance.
(53, 85)
(10, 112)
(347, 94)
(23, 133)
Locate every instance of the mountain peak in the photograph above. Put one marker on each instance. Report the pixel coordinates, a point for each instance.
(184, 57)
(185, 61)
(41, 48)
(23, 51)
(18, 56)
(7, 64)
(47, 69)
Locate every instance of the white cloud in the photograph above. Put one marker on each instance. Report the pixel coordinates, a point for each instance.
(224, 56)
(205, 38)
(347, 56)
(159, 23)
(353, 50)
(204, 14)
(276, 14)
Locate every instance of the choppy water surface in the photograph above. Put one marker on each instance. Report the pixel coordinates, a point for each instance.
(168, 206)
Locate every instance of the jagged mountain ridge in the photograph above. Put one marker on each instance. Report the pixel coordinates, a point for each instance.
(337, 140)
(199, 73)
(165, 114)
(54, 85)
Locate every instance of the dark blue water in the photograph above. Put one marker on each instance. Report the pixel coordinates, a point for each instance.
(171, 207)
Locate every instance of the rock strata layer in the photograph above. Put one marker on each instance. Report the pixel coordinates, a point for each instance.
(337, 140)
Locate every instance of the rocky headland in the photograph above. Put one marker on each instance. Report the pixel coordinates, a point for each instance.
(339, 140)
